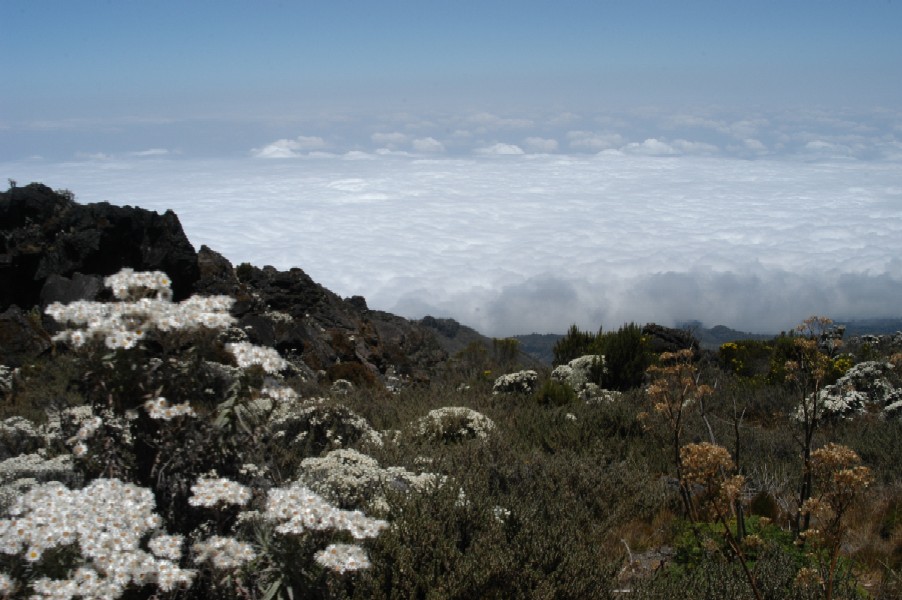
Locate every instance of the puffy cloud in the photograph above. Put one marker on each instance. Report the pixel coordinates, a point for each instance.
(289, 148)
(539, 144)
(650, 147)
(500, 149)
(428, 144)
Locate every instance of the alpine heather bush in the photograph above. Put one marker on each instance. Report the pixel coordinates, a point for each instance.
(452, 424)
(521, 382)
(354, 480)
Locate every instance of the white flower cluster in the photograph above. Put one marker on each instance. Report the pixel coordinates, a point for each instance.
(521, 382)
(127, 284)
(247, 355)
(295, 420)
(867, 384)
(223, 552)
(166, 546)
(159, 408)
(279, 393)
(123, 324)
(298, 509)
(343, 557)
(454, 423)
(106, 521)
(19, 474)
(209, 492)
(578, 373)
(88, 428)
(354, 479)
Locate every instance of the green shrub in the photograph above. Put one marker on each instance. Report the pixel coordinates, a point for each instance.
(555, 393)
(626, 357)
(574, 344)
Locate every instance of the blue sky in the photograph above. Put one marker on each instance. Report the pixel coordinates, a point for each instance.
(523, 165)
(227, 59)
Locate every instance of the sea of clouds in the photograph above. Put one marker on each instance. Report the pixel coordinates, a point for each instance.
(524, 230)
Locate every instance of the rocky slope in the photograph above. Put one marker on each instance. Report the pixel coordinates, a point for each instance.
(54, 249)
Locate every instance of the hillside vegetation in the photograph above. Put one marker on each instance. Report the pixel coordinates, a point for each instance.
(247, 434)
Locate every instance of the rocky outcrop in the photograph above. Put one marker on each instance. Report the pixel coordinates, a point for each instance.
(53, 249)
(45, 236)
(288, 310)
(666, 339)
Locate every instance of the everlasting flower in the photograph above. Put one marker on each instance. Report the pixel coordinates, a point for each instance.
(247, 355)
(299, 509)
(159, 408)
(343, 557)
(123, 324)
(210, 492)
(223, 552)
(453, 423)
(166, 546)
(105, 521)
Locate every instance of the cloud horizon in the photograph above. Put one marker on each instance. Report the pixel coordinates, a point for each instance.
(533, 242)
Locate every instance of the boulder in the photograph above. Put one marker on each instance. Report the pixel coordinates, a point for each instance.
(666, 339)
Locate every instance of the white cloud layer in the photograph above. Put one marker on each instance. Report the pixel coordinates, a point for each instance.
(537, 242)
(289, 148)
(500, 149)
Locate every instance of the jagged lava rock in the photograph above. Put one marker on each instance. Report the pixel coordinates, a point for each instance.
(47, 234)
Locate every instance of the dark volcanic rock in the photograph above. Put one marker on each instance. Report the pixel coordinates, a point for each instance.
(215, 274)
(53, 249)
(296, 315)
(44, 234)
(21, 337)
(65, 290)
(666, 339)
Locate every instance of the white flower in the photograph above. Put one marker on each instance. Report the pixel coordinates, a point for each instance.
(247, 355)
(210, 492)
(343, 557)
(223, 552)
(166, 546)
